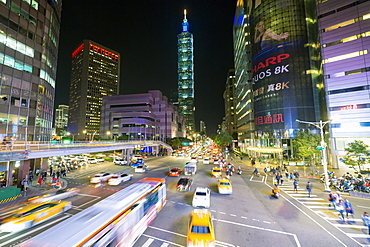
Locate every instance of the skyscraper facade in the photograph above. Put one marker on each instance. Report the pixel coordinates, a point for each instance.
(29, 40)
(243, 76)
(61, 117)
(345, 43)
(230, 105)
(95, 74)
(185, 78)
(285, 63)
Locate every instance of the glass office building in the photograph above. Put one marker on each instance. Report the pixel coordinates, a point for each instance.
(185, 79)
(29, 39)
(95, 74)
(285, 66)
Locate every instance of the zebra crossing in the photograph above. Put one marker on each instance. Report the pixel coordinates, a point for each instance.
(352, 227)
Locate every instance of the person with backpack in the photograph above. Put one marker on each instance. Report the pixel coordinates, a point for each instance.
(309, 188)
(348, 207)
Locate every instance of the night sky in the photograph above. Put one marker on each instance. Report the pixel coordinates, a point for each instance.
(145, 33)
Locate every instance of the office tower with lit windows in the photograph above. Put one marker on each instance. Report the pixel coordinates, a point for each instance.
(202, 127)
(185, 68)
(230, 105)
(345, 43)
(61, 118)
(95, 74)
(29, 40)
(243, 76)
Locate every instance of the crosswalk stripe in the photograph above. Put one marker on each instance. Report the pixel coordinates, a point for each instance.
(164, 245)
(355, 235)
(356, 220)
(310, 199)
(302, 195)
(313, 203)
(350, 226)
(148, 242)
(317, 206)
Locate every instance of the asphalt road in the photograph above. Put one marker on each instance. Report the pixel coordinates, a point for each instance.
(248, 217)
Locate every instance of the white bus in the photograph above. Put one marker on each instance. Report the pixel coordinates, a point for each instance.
(190, 168)
(118, 220)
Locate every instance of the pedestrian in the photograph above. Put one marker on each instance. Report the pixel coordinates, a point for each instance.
(291, 176)
(340, 208)
(332, 199)
(281, 179)
(40, 181)
(349, 208)
(24, 185)
(309, 188)
(10, 143)
(286, 174)
(5, 142)
(37, 172)
(295, 185)
(366, 219)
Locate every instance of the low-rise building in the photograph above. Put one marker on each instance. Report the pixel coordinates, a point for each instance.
(148, 116)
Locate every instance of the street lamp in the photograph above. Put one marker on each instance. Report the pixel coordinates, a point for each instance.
(108, 134)
(324, 160)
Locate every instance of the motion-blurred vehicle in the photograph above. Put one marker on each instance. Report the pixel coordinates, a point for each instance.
(175, 172)
(100, 177)
(100, 159)
(120, 161)
(201, 231)
(117, 179)
(141, 169)
(224, 186)
(202, 197)
(92, 161)
(216, 162)
(206, 161)
(31, 214)
(57, 196)
(216, 172)
(184, 184)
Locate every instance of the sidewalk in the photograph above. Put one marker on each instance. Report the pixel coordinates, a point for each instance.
(33, 190)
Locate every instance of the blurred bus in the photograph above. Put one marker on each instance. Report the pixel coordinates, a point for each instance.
(190, 168)
(118, 220)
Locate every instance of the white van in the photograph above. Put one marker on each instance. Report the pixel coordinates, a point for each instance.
(206, 161)
(202, 197)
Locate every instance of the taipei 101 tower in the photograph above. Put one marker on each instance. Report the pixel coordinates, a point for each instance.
(185, 78)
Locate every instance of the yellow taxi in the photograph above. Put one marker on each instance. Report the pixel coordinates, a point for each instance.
(201, 231)
(216, 172)
(224, 186)
(31, 214)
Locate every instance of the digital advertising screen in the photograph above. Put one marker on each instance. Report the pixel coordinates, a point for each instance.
(283, 85)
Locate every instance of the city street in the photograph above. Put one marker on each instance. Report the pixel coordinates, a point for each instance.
(248, 217)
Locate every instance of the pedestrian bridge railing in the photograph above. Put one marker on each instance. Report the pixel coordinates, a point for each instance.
(33, 149)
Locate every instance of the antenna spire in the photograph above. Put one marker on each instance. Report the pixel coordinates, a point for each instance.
(185, 20)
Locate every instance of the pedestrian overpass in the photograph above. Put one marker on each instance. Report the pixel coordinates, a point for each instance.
(33, 150)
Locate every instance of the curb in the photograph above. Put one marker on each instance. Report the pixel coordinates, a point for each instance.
(10, 199)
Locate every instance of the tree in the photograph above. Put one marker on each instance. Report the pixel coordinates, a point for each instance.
(356, 155)
(306, 145)
(222, 139)
(176, 143)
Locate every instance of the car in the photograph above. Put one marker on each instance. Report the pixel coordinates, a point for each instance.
(224, 186)
(202, 197)
(200, 229)
(200, 157)
(120, 161)
(141, 168)
(184, 184)
(215, 161)
(117, 179)
(206, 161)
(92, 161)
(175, 172)
(216, 172)
(32, 214)
(134, 165)
(100, 159)
(57, 196)
(100, 177)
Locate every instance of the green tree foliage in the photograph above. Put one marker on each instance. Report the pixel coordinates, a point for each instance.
(222, 139)
(175, 142)
(306, 145)
(356, 155)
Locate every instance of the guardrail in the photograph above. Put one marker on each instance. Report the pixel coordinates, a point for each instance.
(22, 150)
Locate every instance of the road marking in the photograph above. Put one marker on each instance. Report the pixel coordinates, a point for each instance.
(355, 235)
(326, 207)
(163, 240)
(159, 229)
(350, 226)
(309, 198)
(243, 217)
(88, 202)
(335, 219)
(222, 213)
(267, 222)
(233, 215)
(212, 210)
(88, 195)
(362, 206)
(148, 242)
(293, 195)
(264, 229)
(164, 245)
(255, 220)
(313, 203)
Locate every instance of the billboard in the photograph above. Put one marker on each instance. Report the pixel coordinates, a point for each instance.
(284, 63)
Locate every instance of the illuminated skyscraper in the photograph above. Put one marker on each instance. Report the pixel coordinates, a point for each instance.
(29, 40)
(185, 78)
(61, 117)
(95, 74)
